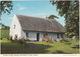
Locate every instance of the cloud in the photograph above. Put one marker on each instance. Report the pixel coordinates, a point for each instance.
(21, 7)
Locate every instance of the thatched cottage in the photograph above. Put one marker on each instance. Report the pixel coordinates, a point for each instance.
(35, 28)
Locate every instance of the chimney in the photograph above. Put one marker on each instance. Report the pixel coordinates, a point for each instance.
(46, 17)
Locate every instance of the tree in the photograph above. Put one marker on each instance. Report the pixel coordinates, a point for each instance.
(52, 17)
(4, 26)
(70, 10)
(6, 7)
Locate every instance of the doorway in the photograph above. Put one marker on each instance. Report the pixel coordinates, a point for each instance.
(37, 36)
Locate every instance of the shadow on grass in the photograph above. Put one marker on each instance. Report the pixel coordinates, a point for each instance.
(59, 52)
(76, 47)
(29, 48)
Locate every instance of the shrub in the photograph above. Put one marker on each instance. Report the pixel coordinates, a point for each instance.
(50, 40)
(0, 38)
(55, 40)
(77, 38)
(27, 40)
(11, 39)
(8, 38)
(66, 41)
(71, 34)
(22, 41)
(45, 39)
(61, 40)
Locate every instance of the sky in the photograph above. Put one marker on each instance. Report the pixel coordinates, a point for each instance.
(32, 8)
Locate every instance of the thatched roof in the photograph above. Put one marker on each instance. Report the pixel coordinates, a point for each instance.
(39, 24)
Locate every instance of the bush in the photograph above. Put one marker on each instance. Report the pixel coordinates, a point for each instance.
(70, 34)
(27, 40)
(61, 40)
(0, 38)
(55, 40)
(22, 41)
(45, 39)
(10, 38)
(66, 41)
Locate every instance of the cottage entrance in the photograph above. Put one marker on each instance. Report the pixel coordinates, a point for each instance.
(37, 36)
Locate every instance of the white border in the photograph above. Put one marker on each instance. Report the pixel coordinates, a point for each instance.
(41, 55)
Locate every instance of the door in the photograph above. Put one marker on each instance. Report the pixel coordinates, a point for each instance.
(37, 36)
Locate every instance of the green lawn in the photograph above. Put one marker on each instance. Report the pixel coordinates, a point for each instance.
(4, 33)
(8, 47)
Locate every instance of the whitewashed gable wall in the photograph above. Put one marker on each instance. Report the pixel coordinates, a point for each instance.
(17, 30)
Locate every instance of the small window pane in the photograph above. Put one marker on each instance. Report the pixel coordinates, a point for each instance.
(14, 26)
(57, 35)
(27, 35)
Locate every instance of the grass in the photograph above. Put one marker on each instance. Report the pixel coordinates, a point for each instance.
(4, 33)
(8, 47)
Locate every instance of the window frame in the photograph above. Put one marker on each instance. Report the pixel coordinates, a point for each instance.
(58, 35)
(27, 34)
(14, 26)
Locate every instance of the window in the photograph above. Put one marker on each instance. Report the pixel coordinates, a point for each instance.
(45, 34)
(57, 35)
(27, 35)
(14, 26)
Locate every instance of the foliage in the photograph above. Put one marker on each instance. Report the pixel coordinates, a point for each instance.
(47, 40)
(70, 10)
(61, 40)
(11, 39)
(27, 39)
(4, 26)
(70, 35)
(8, 38)
(22, 41)
(6, 7)
(55, 40)
(4, 33)
(52, 17)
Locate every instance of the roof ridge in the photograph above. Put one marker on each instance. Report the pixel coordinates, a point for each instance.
(36, 17)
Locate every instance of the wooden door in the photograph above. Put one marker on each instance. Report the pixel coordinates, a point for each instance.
(37, 36)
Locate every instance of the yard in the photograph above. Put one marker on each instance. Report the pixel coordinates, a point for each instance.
(8, 47)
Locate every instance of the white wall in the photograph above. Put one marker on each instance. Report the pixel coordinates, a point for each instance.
(53, 35)
(33, 35)
(17, 30)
